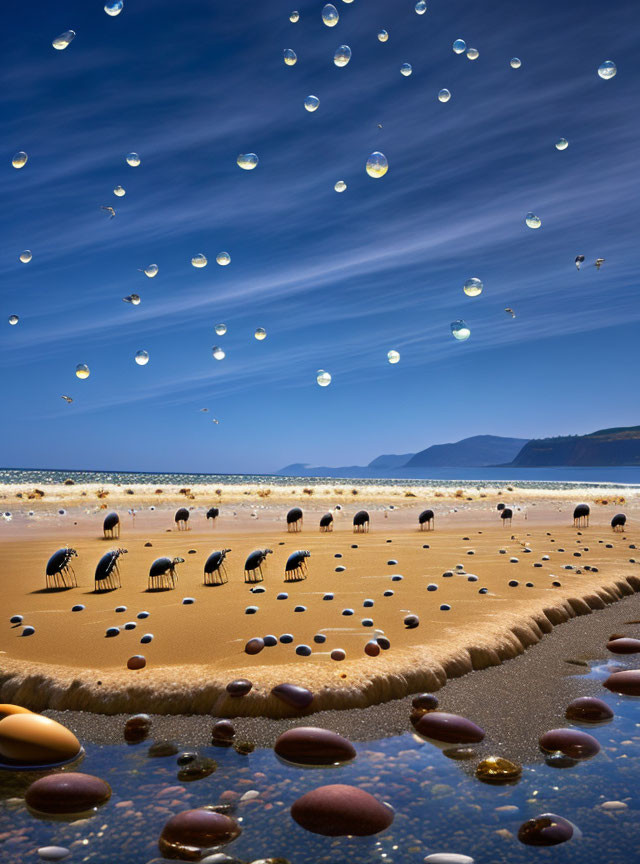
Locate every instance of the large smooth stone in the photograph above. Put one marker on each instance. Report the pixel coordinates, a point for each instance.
(186, 835)
(239, 687)
(308, 745)
(339, 810)
(449, 728)
(292, 694)
(571, 742)
(588, 709)
(448, 858)
(68, 793)
(32, 738)
(495, 769)
(254, 646)
(627, 683)
(624, 645)
(545, 830)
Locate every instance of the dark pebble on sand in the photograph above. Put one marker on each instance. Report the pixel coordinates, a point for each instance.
(624, 645)
(254, 646)
(449, 728)
(427, 701)
(136, 662)
(239, 687)
(411, 622)
(223, 730)
(293, 695)
(270, 641)
(570, 742)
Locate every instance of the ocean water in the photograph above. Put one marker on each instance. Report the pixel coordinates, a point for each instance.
(532, 478)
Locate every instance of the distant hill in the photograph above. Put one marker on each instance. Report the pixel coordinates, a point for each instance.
(390, 461)
(607, 447)
(477, 452)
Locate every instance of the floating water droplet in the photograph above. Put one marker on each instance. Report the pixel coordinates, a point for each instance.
(133, 159)
(248, 161)
(114, 7)
(142, 358)
(515, 63)
(134, 299)
(383, 36)
(119, 192)
(562, 144)
(26, 256)
(290, 57)
(459, 46)
(460, 330)
(311, 103)
(199, 260)
(533, 221)
(82, 371)
(64, 40)
(473, 54)
(323, 378)
(608, 70)
(421, 7)
(220, 329)
(20, 159)
(294, 17)
(377, 165)
(223, 258)
(444, 95)
(218, 353)
(13, 320)
(340, 186)
(342, 55)
(473, 287)
(260, 334)
(393, 357)
(330, 15)
(151, 271)
(406, 69)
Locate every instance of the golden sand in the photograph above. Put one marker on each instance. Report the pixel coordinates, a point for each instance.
(197, 649)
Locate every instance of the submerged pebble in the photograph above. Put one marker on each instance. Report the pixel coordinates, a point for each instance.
(339, 810)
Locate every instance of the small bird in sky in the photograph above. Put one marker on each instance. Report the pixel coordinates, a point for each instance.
(204, 410)
(67, 399)
(109, 210)
(510, 311)
(598, 263)
(579, 261)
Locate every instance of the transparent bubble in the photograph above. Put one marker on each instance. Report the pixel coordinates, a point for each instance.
(330, 15)
(393, 357)
(421, 7)
(20, 159)
(294, 17)
(290, 57)
(26, 256)
(607, 70)
(406, 69)
(223, 258)
(473, 287)
(515, 63)
(533, 221)
(340, 186)
(113, 7)
(311, 103)
(444, 95)
(562, 144)
(119, 192)
(199, 260)
(142, 358)
(82, 371)
(13, 320)
(220, 329)
(459, 46)
(218, 353)
(63, 40)
(134, 299)
(383, 36)
(133, 159)
(151, 271)
(248, 161)
(377, 165)
(473, 54)
(260, 334)
(323, 378)
(460, 330)
(342, 55)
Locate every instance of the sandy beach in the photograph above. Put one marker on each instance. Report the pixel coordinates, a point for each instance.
(197, 648)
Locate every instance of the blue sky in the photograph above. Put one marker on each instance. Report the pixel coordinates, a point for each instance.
(336, 279)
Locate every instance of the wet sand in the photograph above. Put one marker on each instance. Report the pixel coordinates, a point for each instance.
(69, 663)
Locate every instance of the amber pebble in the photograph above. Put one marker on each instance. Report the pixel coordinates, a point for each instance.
(6, 709)
(32, 738)
(426, 701)
(239, 687)
(460, 754)
(244, 747)
(545, 830)
(495, 769)
(449, 728)
(254, 646)
(339, 810)
(627, 682)
(197, 768)
(308, 745)
(571, 742)
(188, 834)
(292, 694)
(624, 645)
(588, 709)
(67, 792)
(136, 662)
(223, 730)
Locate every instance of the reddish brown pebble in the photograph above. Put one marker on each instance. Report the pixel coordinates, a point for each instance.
(339, 811)
(372, 649)
(188, 834)
(67, 792)
(338, 654)
(588, 709)
(136, 662)
(624, 645)
(308, 745)
(223, 730)
(627, 682)
(254, 646)
(239, 687)
(425, 700)
(571, 742)
(297, 697)
(545, 830)
(449, 728)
